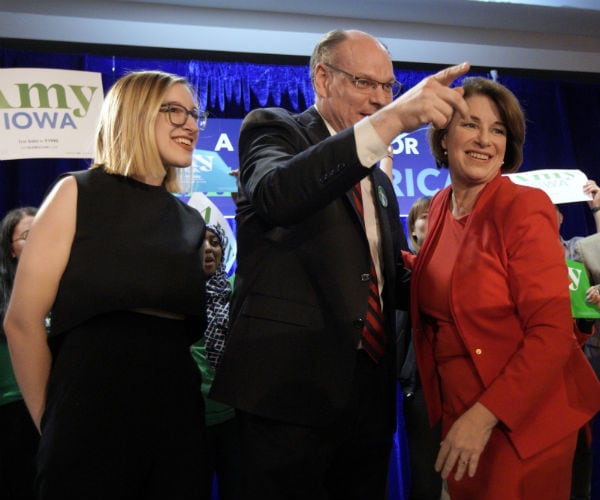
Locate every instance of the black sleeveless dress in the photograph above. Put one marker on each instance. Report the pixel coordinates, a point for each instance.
(124, 417)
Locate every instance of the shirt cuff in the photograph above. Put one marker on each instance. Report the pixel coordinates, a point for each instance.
(369, 146)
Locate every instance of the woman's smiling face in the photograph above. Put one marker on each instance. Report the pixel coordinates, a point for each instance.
(176, 143)
(476, 146)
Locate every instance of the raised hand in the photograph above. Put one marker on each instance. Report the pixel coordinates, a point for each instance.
(430, 101)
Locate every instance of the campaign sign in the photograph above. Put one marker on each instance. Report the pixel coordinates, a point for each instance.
(578, 286)
(562, 186)
(215, 156)
(48, 113)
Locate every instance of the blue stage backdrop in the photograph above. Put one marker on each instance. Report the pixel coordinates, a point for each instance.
(415, 173)
(216, 156)
(563, 114)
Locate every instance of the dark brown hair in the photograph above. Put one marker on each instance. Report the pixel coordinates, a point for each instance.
(511, 113)
(8, 263)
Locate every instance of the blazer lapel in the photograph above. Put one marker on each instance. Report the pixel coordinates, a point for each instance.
(380, 201)
(317, 131)
(313, 124)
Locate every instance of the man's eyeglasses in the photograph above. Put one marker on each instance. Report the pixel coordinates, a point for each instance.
(367, 85)
(178, 115)
(22, 236)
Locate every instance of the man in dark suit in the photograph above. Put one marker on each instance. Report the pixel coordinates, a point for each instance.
(310, 364)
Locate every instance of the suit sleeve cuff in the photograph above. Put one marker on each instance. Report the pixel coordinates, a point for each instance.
(369, 146)
(498, 405)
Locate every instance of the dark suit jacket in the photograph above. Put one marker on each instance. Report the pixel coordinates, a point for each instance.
(509, 297)
(301, 293)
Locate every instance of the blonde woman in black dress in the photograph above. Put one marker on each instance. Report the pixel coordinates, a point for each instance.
(116, 258)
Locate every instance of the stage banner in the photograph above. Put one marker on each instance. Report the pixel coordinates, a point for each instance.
(48, 113)
(415, 172)
(216, 155)
(561, 185)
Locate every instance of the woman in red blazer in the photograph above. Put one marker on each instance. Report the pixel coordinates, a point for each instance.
(494, 337)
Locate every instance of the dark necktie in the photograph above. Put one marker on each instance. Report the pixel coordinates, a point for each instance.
(372, 335)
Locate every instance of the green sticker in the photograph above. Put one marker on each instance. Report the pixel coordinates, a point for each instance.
(382, 197)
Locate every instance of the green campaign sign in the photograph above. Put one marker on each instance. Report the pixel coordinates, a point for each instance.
(579, 283)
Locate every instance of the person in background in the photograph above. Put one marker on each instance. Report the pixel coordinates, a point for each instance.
(423, 441)
(582, 460)
(592, 346)
(18, 435)
(117, 259)
(221, 426)
(418, 222)
(571, 245)
(310, 361)
(586, 470)
(499, 316)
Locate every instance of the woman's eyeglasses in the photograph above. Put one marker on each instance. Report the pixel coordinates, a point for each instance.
(178, 115)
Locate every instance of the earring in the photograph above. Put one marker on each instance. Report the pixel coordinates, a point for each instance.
(445, 153)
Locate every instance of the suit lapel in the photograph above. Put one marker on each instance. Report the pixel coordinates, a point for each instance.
(317, 131)
(378, 177)
(313, 124)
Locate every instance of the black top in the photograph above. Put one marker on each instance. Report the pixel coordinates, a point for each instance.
(135, 246)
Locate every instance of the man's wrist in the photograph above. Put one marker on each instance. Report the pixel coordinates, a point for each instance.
(595, 209)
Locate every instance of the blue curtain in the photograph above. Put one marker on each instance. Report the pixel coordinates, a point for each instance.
(563, 114)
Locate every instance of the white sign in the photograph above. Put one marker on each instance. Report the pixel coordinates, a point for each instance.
(562, 186)
(212, 215)
(48, 113)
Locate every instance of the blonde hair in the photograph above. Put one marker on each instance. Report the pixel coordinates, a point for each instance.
(126, 137)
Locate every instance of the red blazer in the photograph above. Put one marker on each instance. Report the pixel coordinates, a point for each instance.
(509, 297)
